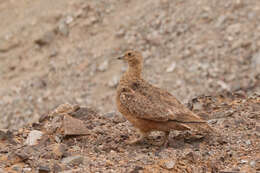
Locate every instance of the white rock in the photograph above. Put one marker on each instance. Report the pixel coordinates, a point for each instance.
(169, 164)
(244, 161)
(224, 85)
(103, 66)
(113, 82)
(252, 163)
(171, 67)
(63, 28)
(33, 137)
(69, 19)
(248, 142)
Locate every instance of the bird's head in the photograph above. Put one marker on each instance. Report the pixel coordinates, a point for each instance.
(133, 58)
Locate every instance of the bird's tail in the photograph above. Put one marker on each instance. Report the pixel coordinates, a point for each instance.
(200, 127)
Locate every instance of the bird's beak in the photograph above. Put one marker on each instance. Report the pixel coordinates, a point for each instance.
(120, 58)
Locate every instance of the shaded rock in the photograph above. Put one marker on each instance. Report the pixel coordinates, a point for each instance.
(58, 150)
(33, 137)
(137, 169)
(73, 126)
(11, 159)
(22, 154)
(45, 39)
(84, 113)
(73, 160)
(5, 134)
(44, 169)
(57, 168)
(7, 45)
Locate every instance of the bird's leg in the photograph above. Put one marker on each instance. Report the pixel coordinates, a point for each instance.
(139, 140)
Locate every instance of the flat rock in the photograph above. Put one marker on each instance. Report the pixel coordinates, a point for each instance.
(44, 169)
(7, 45)
(73, 160)
(73, 126)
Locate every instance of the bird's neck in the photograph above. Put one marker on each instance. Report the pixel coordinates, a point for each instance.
(135, 71)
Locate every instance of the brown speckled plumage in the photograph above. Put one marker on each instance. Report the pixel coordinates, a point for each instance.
(150, 108)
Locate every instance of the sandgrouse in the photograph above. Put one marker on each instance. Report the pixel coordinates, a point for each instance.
(150, 108)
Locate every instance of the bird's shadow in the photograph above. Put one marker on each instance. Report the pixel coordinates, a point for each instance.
(178, 141)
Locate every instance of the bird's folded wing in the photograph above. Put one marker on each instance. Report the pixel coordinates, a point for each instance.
(141, 107)
(185, 116)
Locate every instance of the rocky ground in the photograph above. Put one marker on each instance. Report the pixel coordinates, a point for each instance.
(79, 139)
(54, 52)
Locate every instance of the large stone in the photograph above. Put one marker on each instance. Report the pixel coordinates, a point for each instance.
(73, 126)
(58, 150)
(33, 137)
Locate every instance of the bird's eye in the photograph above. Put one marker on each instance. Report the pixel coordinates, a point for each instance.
(129, 54)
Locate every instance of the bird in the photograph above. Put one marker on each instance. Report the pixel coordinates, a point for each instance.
(149, 108)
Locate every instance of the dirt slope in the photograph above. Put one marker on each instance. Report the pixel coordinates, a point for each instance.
(63, 51)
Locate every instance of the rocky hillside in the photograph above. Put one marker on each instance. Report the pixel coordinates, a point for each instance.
(79, 139)
(63, 51)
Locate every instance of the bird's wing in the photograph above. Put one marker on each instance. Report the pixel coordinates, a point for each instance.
(142, 107)
(169, 106)
(178, 111)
